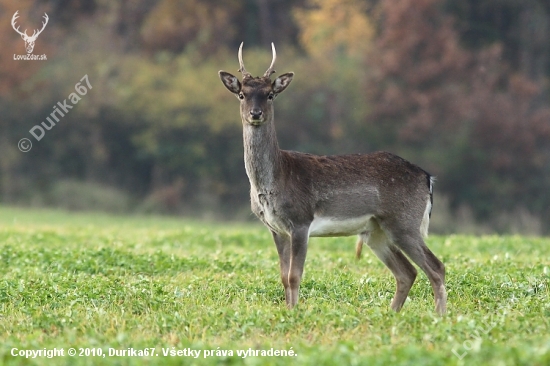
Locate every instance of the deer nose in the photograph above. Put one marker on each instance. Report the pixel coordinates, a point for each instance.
(256, 113)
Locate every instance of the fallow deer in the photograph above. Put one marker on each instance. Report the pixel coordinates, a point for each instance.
(380, 197)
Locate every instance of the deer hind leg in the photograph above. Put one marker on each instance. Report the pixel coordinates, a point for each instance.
(412, 244)
(403, 271)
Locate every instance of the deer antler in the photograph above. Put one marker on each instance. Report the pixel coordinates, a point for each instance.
(15, 16)
(270, 70)
(241, 63)
(35, 35)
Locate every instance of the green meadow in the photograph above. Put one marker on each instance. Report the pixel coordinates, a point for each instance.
(133, 290)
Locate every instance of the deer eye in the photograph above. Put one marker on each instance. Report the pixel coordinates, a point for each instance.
(270, 96)
(241, 96)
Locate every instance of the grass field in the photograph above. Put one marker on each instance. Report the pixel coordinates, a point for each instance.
(102, 283)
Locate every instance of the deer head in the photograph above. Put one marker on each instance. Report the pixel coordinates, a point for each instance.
(256, 93)
(29, 41)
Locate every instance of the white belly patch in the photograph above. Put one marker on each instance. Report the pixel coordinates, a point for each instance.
(330, 226)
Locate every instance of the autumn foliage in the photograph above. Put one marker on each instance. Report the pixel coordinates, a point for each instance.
(461, 88)
(488, 123)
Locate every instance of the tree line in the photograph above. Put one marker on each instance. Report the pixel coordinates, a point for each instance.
(460, 88)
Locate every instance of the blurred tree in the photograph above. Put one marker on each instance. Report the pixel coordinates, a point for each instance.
(206, 26)
(521, 27)
(327, 97)
(264, 21)
(203, 25)
(186, 124)
(474, 118)
(334, 27)
(419, 69)
(129, 20)
(69, 12)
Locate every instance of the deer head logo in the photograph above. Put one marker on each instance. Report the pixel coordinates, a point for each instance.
(29, 41)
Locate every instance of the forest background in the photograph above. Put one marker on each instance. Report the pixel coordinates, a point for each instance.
(459, 87)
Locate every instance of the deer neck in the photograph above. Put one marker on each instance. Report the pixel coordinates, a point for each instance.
(262, 157)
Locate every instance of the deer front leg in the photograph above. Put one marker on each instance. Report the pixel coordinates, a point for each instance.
(282, 242)
(298, 244)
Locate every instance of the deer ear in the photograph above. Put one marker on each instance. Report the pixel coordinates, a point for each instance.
(280, 84)
(231, 82)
